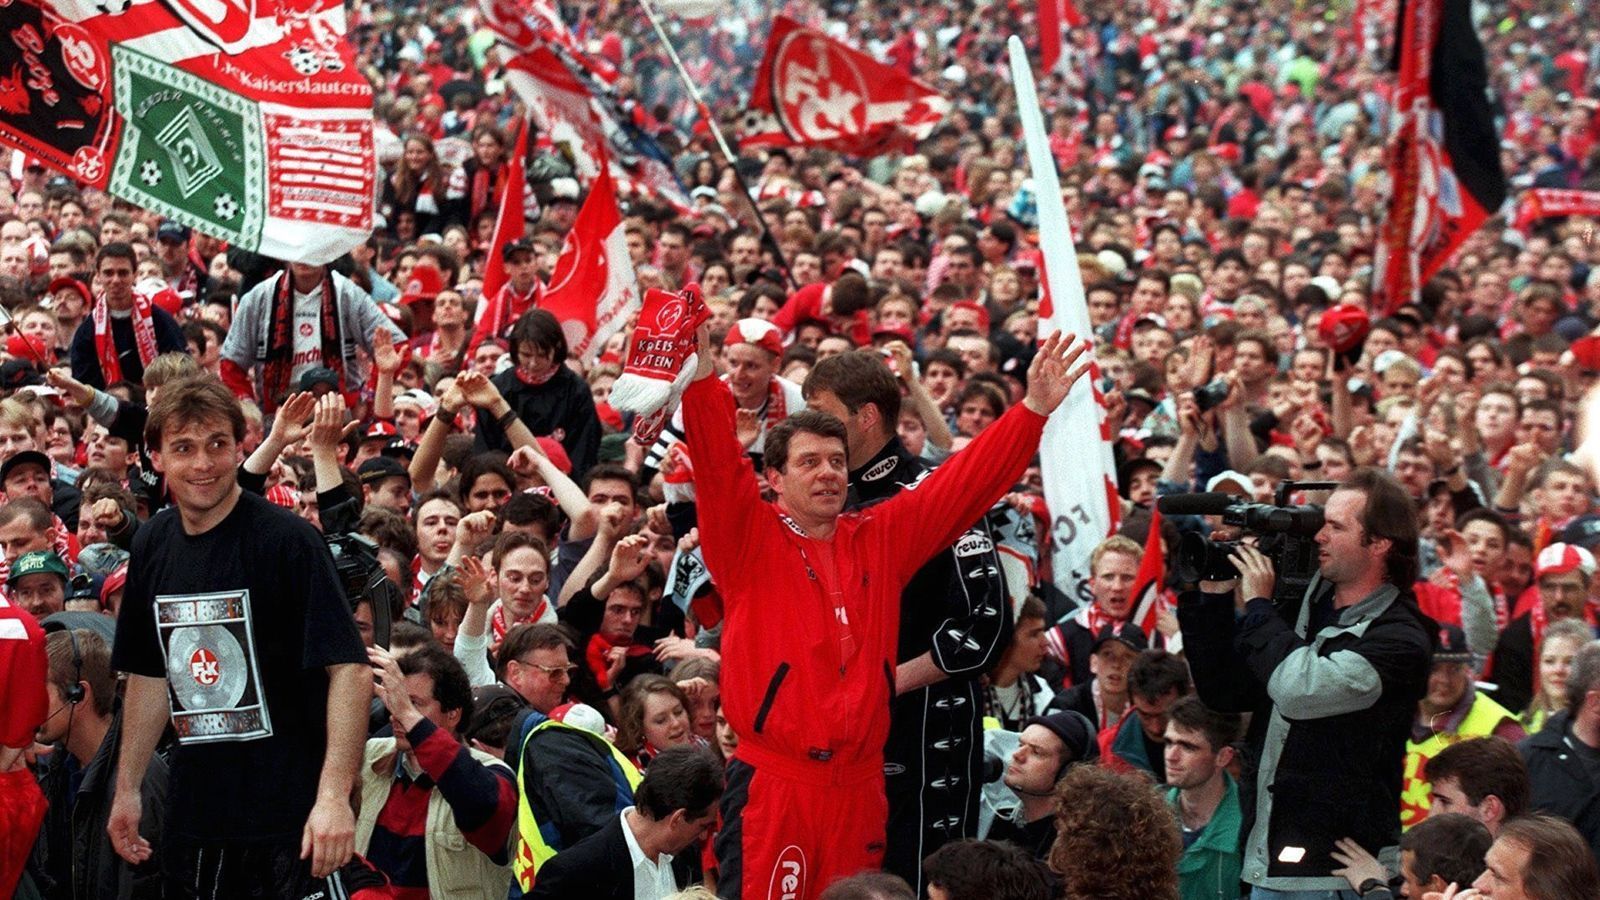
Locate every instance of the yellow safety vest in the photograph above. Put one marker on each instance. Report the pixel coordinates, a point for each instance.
(532, 849)
(1416, 793)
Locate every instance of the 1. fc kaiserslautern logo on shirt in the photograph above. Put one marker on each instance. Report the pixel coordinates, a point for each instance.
(212, 671)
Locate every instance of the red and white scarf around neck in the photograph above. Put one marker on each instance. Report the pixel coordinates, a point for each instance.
(105, 345)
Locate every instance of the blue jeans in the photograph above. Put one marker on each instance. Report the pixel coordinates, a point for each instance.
(1261, 893)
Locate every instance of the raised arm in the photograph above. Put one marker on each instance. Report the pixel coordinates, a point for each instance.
(921, 402)
(531, 460)
(726, 489)
(478, 390)
(288, 427)
(386, 361)
(931, 515)
(425, 464)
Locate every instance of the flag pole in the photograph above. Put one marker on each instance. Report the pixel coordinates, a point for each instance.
(716, 132)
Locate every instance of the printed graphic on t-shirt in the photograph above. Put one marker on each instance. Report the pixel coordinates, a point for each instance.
(212, 670)
(307, 333)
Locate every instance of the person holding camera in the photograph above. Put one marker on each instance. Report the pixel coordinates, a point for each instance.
(1334, 688)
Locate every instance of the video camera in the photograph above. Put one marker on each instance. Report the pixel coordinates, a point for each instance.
(355, 558)
(1285, 533)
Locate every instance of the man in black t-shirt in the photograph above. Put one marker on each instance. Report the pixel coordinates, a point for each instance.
(234, 625)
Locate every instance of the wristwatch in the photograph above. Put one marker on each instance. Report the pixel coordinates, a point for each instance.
(1372, 884)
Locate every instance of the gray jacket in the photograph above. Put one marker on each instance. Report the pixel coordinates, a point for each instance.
(359, 319)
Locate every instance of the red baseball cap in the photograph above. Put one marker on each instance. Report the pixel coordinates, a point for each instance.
(73, 283)
(558, 454)
(1559, 559)
(1344, 328)
(425, 283)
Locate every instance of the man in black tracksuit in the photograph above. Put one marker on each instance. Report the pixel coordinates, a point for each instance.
(954, 622)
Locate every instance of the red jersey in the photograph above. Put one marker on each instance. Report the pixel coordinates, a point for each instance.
(811, 625)
(22, 670)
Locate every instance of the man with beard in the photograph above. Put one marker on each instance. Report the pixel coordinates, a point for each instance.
(954, 622)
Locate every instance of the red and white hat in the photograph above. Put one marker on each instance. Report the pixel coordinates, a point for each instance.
(759, 332)
(1559, 559)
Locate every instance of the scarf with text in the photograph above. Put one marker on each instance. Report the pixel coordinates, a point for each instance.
(278, 369)
(105, 346)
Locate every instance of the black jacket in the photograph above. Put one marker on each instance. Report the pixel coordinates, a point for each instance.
(955, 605)
(1332, 707)
(561, 407)
(1513, 664)
(597, 868)
(569, 783)
(86, 362)
(73, 857)
(1559, 781)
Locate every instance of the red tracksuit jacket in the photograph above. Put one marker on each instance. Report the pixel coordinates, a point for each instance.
(787, 687)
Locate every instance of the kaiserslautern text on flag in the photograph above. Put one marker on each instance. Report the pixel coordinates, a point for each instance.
(1443, 159)
(244, 119)
(814, 91)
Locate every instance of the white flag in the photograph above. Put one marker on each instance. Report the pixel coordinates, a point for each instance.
(1080, 481)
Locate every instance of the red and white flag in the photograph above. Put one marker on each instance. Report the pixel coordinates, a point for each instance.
(1051, 43)
(510, 225)
(1149, 585)
(561, 105)
(814, 91)
(593, 288)
(511, 222)
(241, 119)
(1080, 482)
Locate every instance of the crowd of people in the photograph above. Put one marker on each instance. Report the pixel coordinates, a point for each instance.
(350, 579)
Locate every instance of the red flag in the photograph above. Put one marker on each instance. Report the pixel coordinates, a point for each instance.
(1444, 155)
(1149, 583)
(593, 287)
(511, 223)
(1051, 44)
(814, 91)
(509, 226)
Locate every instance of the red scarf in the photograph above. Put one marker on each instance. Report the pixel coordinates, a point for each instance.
(279, 366)
(595, 656)
(499, 624)
(105, 346)
(485, 187)
(1096, 620)
(535, 380)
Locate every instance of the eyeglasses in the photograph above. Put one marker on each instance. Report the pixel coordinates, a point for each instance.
(557, 672)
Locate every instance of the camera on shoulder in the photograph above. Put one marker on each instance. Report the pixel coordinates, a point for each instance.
(1285, 533)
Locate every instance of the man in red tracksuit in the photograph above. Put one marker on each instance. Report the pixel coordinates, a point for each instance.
(812, 603)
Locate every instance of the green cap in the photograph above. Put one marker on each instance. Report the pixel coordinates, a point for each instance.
(39, 561)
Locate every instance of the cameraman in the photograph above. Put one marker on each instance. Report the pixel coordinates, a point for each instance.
(1334, 690)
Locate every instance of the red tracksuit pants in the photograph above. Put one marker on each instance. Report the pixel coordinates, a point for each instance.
(791, 828)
